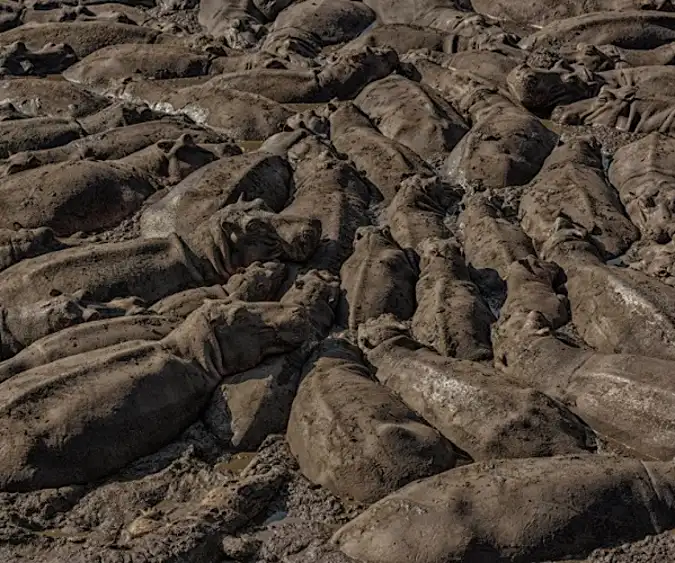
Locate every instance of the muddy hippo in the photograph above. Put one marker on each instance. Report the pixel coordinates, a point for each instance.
(342, 78)
(89, 195)
(383, 161)
(451, 316)
(247, 176)
(572, 183)
(84, 37)
(645, 178)
(116, 387)
(117, 142)
(413, 115)
(99, 69)
(419, 211)
(629, 29)
(549, 11)
(234, 237)
(614, 309)
(17, 59)
(491, 240)
(474, 407)
(581, 502)
(331, 191)
(332, 21)
(353, 436)
(379, 277)
(50, 98)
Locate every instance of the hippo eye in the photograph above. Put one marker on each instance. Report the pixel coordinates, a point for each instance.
(649, 202)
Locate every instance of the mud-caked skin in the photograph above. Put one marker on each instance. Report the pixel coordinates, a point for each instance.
(215, 341)
(493, 65)
(85, 337)
(258, 282)
(622, 58)
(251, 405)
(506, 145)
(318, 292)
(223, 182)
(614, 309)
(151, 269)
(630, 29)
(469, 403)
(504, 148)
(26, 243)
(490, 240)
(18, 60)
(643, 174)
(343, 77)
(585, 380)
(534, 282)
(378, 278)
(540, 90)
(243, 116)
(83, 37)
(88, 195)
(353, 436)
(384, 161)
(51, 98)
(332, 21)
(411, 114)
(400, 37)
(103, 66)
(419, 210)
(331, 191)
(391, 11)
(572, 184)
(655, 260)
(593, 498)
(238, 22)
(35, 133)
(116, 142)
(22, 325)
(372, 240)
(451, 316)
(548, 11)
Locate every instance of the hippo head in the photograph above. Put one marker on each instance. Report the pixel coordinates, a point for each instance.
(350, 71)
(430, 193)
(380, 330)
(20, 161)
(228, 337)
(447, 251)
(542, 89)
(658, 261)
(370, 236)
(248, 231)
(241, 33)
(184, 157)
(532, 268)
(653, 212)
(259, 282)
(569, 244)
(512, 335)
(318, 291)
(308, 120)
(585, 150)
